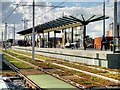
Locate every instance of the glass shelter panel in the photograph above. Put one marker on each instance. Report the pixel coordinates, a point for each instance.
(78, 35)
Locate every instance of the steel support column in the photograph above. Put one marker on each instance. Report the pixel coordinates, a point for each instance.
(24, 38)
(62, 30)
(43, 40)
(72, 35)
(54, 39)
(65, 36)
(48, 39)
(84, 37)
(31, 40)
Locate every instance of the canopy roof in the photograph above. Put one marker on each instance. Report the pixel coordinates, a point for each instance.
(64, 22)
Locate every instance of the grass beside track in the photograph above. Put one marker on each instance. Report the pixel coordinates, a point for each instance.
(51, 58)
(41, 79)
(17, 63)
(78, 77)
(74, 65)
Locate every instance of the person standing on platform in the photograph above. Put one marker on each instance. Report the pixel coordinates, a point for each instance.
(37, 43)
(103, 42)
(58, 43)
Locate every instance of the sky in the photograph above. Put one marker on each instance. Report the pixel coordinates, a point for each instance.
(45, 14)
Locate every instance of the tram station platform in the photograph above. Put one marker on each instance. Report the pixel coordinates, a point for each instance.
(90, 57)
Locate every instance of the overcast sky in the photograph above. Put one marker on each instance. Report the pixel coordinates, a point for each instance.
(42, 15)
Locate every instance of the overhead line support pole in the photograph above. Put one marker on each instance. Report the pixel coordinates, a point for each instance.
(2, 39)
(104, 19)
(14, 35)
(33, 33)
(115, 26)
(5, 37)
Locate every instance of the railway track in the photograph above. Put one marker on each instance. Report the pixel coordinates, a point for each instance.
(28, 82)
(92, 67)
(89, 73)
(43, 70)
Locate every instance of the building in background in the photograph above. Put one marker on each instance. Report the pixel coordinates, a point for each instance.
(109, 37)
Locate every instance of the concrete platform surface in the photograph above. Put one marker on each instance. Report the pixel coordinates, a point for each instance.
(92, 53)
(90, 57)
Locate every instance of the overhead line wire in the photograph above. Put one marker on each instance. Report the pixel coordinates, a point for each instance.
(12, 12)
(53, 8)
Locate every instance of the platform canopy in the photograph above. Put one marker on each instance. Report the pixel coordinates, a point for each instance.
(64, 22)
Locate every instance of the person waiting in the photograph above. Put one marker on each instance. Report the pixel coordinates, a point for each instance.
(111, 45)
(103, 42)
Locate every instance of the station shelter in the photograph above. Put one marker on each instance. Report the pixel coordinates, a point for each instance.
(72, 29)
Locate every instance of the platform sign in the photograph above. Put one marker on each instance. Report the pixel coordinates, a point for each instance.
(1, 58)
